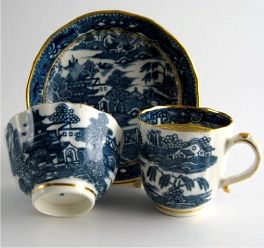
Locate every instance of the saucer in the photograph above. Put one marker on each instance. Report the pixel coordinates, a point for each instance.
(119, 63)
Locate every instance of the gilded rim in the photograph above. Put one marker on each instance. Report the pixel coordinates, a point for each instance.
(46, 185)
(194, 74)
(183, 107)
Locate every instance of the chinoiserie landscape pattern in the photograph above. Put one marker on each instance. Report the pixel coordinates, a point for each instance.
(55, 146)
(167, 162)
(122, 50)
(115, 72)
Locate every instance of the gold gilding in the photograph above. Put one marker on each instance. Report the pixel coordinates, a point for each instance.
(177, 212)
(186, 127)
(226, 189)
(76, 185)
(245, 135)
(44, 46)
(136, 182)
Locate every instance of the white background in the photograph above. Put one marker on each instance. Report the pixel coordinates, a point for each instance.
(225, 40)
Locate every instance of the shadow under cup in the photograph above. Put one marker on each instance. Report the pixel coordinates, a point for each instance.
(182, 155)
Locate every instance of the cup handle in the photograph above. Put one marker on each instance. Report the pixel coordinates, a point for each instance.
(256, 147)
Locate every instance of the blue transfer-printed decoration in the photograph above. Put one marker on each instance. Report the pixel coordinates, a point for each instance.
(185, 115)
(174, 195)
(99, 21)
(108, 85)
(54, 153)
(176, 155)
(170, 165)
(124, 50)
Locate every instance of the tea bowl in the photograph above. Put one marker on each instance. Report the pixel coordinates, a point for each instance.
(64, 155)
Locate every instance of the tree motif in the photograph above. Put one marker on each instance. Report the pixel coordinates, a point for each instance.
(63, 115)
(94, 136)
(152, 173)
(96, 132)
(79, 72)
(164, 180)
(118, 96)
(119, 79)
(58, 84)
(203, 184)
(154, 69)
(88, 70)
(176, 186)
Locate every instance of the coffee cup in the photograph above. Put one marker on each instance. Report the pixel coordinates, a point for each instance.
(64, 155)
(183, 153)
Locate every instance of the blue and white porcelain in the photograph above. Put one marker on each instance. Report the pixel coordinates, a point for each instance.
(183, 153)
(119, 63)
(64, 155)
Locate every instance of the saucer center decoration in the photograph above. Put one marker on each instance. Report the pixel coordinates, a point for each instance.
(117, 72)
(118, 63)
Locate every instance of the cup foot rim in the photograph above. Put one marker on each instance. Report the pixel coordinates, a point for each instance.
(178, 212)
(134, 182)
(63, 198)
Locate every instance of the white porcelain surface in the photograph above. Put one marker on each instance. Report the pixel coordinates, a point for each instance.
(64, 155)
(184, 165)
(225, 39)
(64, 201)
